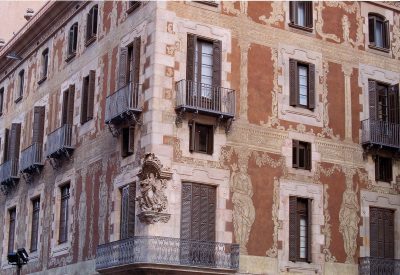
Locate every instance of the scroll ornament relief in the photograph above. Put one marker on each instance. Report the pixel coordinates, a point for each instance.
(273, 251)
(152, 183)
(276, 15)
(229, 7)
(396, 41)
(326, 230)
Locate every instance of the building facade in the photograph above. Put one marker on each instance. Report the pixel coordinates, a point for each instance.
(202, 137)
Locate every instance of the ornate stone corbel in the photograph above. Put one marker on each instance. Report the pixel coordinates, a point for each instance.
(153, 180)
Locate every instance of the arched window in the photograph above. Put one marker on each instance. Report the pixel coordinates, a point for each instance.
(378, 28)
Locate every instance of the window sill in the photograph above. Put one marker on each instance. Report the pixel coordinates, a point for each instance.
(307, 29)
(90, 40)
(42, 80)
(133, 8)
(70, 57)
(200, 152)
(18, 99)
(208, 3)
(386, 50)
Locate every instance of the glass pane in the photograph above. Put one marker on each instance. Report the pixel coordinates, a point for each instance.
(379, 34)
(301, 19)
(303, 238)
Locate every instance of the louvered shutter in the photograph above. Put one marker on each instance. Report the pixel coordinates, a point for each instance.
(293, 83)
(373, 100)
(123, 67)
(210, 144)
(6, 148)
(217, 60)
(192, 135)
(293, 12)
(394, 104)
(95, 17)
(89, 25)
(309, 230)
(308, 156)
(212, 198)
(124, 212)
(131, 210)
(309, 13)
(186, 222)
(70, 41)
(389, 233)
(71, 97)
(293, 229)
(38, 124)
(295, 153)
(386, 34)
(84, 100)
(136, 60)
(15, 140)
(191, 47)
(196, 200)
(131, 140)
(64, 118)
(311, 86)
(91, 91)
(75, 44)
(371, 30)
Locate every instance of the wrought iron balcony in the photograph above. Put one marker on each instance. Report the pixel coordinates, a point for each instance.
(59, 142)
(124, 104)
(9, 171)
(206, 99)
(378, 266)
(134, 252)
(31, 158)
(380, 133)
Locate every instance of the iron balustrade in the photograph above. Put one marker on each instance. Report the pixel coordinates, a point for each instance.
(59, 140)
(204, 98)
(31, 157)
(9, 171)
(167, 251)
(124, 101)
(378, 266)
(381, 133)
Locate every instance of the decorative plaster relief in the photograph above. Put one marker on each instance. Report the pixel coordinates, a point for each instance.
(340, 153)
(228, 7)
(326, 229)
(396, 41)
(276, 15)
(273, 251)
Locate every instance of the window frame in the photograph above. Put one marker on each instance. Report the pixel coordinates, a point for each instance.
(1, 100)
(87, 97)
(64, 212)
(373, 18)
(44, 65)
(194, 137)
(21, 83)
(308, 15)
(11, 229)
(386, 174)
(35, 224)
(294, 84)
(127, 141)
(92, 22)
(298, 145)
(72, 41)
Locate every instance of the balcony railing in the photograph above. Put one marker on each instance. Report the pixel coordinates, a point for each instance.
(378, 266)
(167, 251)
(123, 103)
(31, 157)
(59, 141)
(203, 98)
(382, 133)
(9, 171)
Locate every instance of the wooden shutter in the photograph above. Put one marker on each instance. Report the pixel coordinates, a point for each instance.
(192, 135)
(136, 60)
(389, 171)
(295, 153)
(84, 100)
(1, 100)
(64, 118)
(38, 124)
(308, 5)
(191, 46)
(211, 206)
(15, 140)
(309, 230)
(393, 97)
(75, 41)
(123, 69)
(11, 230)
(71, 97)
(389, 233)
(386, 34)
(210, 144)
(293, 12)
(131, 140)
(371, 30)
(293, 229)
(293, 83)
(186, 211)
(311, 86)
(6, 148)
(70, 40)
(91, 91)
(124, 212)
(131, 210)
(308, 160)
(217, 60)
(95, 17)
(35, 223)
(89, 25)
(373, 100)
(377, 172)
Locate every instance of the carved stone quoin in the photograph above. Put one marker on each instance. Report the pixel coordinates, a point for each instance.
(152, 200)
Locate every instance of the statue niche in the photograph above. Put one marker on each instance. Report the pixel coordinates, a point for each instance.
(152, 183)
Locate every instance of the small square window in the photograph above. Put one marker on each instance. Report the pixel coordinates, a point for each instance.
(301, 157)
(383, 169)
(379, 33)
(201, 138)
(301, 14)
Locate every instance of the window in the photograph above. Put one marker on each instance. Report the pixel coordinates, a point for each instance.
(6, 146)
(63, 234)
(383, 169)
(45, 61)
(38, 124)
(11, 230)
(68, 106)
(301, 84)
(129, 64)
(128, 200)
(1, 100)
(379, 35)
(35, 224)
(128, 141)
(91, 25)
(381, 224)
(301, 157)
(20, 91)
(72, 41)
(14, 142)
(132, 5)
(201, 138)
(383, 102)
(301, 14)
(300, 229)
(87, 103)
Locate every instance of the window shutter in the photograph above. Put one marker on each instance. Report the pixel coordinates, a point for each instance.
(91, 91)
(377, 172)
(293, 229)
(311, 86)
(124, 212)
(131, 141)
(131, 210)
(5, 148)
(211, 205)
(373, 100)
(371, 30)
(136, 60)
(65, 108)
(293, 83)
(217, 60)
(192, 135)
(210, 144)
(394, 104)
(75, 43)
(309, 13)
(84, 100)
(89, 25)
(38, 124)
(309, 230)
(123, 69)
(1, 100)
(389, 170)
(71, 97)
(295, 152)
(95, 17)
(386, 34)
(186, 208)
(15, 139)
(70, 41)
(191, 46)
(308, 156)
(293, 12)
(389, 233)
